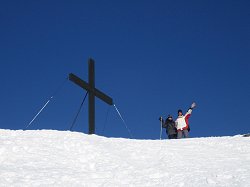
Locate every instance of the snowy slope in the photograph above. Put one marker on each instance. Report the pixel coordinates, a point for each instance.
(57, 158)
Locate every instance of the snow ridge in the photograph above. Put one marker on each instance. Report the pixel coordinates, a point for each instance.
(63, 158)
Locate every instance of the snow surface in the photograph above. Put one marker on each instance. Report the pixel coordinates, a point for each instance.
(62, 158)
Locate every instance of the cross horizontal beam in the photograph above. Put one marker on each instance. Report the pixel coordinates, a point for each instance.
(87, 87)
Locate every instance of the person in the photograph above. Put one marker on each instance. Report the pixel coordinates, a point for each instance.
(170, 127)
(182, 124)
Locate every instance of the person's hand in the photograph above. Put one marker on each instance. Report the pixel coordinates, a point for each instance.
(193, 105)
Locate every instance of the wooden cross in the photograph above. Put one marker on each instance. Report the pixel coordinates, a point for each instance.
(92, 91)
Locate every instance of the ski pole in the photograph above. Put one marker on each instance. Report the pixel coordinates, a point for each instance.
(161, 126)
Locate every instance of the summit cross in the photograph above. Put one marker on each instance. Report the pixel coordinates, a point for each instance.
(92, 93)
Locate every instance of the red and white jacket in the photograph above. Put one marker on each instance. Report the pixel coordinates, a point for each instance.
(181, 122)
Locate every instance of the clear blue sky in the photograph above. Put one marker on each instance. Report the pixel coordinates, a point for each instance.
(152, 58)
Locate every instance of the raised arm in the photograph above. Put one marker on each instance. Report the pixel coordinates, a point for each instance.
(189, 112)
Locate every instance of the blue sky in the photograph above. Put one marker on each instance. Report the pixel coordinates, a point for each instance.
(152, 58)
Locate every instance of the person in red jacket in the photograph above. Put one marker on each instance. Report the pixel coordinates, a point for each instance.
(181, 122)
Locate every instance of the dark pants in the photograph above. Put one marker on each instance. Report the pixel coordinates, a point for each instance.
(172, 136)
(182, 133)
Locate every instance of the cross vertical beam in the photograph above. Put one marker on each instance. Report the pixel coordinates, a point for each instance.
(91, 97)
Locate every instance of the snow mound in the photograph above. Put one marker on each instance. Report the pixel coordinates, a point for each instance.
(61, 158)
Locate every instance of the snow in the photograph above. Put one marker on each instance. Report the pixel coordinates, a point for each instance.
(63, 158)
